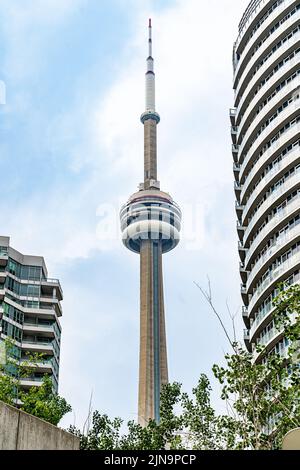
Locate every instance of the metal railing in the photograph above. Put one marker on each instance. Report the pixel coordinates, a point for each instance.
(280, 270)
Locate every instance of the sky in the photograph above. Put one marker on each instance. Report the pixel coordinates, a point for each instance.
(71, 152)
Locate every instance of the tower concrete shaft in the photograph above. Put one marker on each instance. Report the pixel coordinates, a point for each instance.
(153, 370)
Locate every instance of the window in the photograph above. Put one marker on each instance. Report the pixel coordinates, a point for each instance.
(12, 331)
(13, 313)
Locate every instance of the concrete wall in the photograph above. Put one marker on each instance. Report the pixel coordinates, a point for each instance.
(21, 431)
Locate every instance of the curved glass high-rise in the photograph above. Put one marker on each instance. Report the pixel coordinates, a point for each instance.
(266, 152)
(150, 223)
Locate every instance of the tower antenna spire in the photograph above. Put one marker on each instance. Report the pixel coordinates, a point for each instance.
(150, 112)
(150, 37)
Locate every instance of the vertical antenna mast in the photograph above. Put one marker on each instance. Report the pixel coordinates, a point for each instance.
(150, 75)
(150, 38)
(150, 84)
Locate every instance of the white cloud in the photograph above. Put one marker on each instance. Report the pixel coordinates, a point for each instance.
(104, 134)
(28, 26)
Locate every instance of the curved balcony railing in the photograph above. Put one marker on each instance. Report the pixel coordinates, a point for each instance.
(289, 45)
(290, 23)
(264, 91)
(274, 278)
(273, 152)
(282, 241)
(257, 355)
(260, 319)
(269, 336)
(257, 194)
(289, 112)
(251, 12)
(270, 107)
(272, 335)
(292, 208)
(243, 110)
(278, 169)
(266, 313)
(286, 187)
(260, 31)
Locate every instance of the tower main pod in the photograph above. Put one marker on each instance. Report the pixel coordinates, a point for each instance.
(150, 223)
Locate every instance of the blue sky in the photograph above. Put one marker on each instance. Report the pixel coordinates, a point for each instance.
(71, 149)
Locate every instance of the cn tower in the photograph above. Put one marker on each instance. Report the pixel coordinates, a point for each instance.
(150, 223)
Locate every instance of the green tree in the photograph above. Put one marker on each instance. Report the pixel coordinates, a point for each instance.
(263, 400)
(39, 401)
(42, 402)
(204, 429)
(105, 433)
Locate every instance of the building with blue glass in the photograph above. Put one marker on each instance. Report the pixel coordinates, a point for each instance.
(30, 307)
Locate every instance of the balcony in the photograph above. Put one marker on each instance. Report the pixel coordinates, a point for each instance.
(41, 347)
(232, 115)
(278, 274)
(31, 382)
(258, 355)
(45, 330)
(253, 8)
(290, 210)
(2, 293)
(234, 133)
(51, 288)
(268, 340)
(261, 319)
(247, 339)
(241, 230)
(236, 171)
(287, 184)
(269, 108)
(51, 303)
(40, 366)
(264, 316)
(3, 258)
(267, 134)
(276, 197)
(243, 273)
(242, 251)
(247, 112)
(245, 316)
(239, 210)
(287, 160)
(282, 243)
(247, 81)
(235, 151)
(237, 190)
(244, 294)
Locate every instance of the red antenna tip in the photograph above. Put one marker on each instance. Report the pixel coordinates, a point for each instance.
(150, 25)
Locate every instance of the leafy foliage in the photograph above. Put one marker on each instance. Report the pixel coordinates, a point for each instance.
(263, 401)
(39, 401)
(44, 403)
